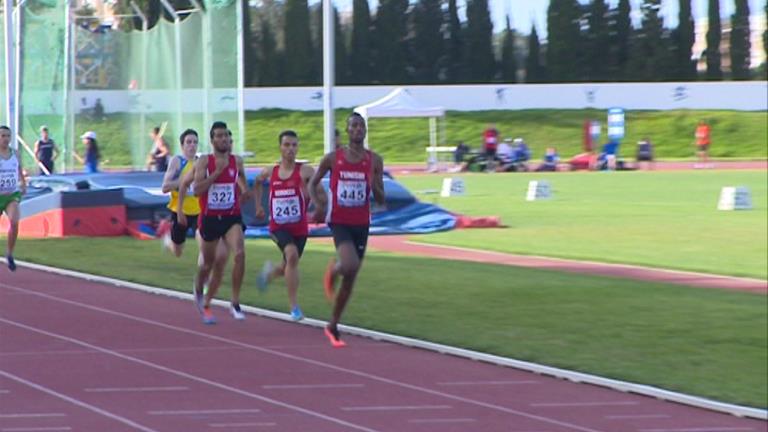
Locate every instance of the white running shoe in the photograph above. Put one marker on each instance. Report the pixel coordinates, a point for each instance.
(263, 280)
(236, 314)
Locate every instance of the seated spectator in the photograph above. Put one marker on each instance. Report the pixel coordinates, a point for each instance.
(504, 152)
(549, 161)
(644, 153)
(458, 154)
(607, 158)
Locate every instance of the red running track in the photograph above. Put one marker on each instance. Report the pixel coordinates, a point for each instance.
(82, 356)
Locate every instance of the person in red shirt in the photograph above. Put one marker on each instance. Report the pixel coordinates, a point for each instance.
(702, 144)
(490, 144)
(356, 172)
(288, 199)
(219, 182)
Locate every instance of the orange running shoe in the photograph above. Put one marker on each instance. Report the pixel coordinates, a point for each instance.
(208, 317)
(334, 336)
(329, 280)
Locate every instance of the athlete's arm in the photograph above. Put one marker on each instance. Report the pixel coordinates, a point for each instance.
(169, 183)
(184, 183)
(201, 182)
(258, 190)
(22, 181)
(378, 180)
(316, 192)
(242, 182)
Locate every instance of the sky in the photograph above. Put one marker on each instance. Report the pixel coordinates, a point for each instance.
(525, 12)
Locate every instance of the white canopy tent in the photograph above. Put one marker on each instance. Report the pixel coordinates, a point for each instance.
(400, 103)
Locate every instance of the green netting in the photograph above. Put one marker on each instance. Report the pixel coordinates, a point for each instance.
(143, 79)
(42, 83)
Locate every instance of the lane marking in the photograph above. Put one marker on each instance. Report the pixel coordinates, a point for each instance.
(189, 376)
(396, 408)
(310, 386)
(77, 402)
(636, 416)
(133, 389)
(445, 420)
(701, 429)
(36, 429)
(236, 425)
(31, 415)
(206, 412)
(582, 404)
(471, 383)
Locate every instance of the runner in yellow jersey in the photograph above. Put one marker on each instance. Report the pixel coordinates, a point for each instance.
(180, 165)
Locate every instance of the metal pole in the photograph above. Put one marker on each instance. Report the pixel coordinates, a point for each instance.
(206, 44)
(142, 87)
(10, 70)
(328, 75)
(240, 77)
(67, 125)
(177, 52)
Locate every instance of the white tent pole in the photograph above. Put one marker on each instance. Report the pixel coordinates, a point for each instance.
(329, 71)
(68, 115)
(10, 88)
(240, 77)
(433, 142)
(177, 52)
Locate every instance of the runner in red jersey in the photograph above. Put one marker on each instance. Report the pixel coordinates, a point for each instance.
(288, 228)
(220, 183)
(355, 173)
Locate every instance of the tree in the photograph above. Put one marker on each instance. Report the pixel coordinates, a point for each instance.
(298, 43)
(564, 46)
(508, 59)
(455, 70)
(651, 57)
(481, 63)
(389, 42)
(341, 64)
(714, 33)
(268, 66)
(340, 50)
(427, 48)
(360, 44)
(621, 32)
(534, 72)
(598, 42)
(684, 37)
(740, 45)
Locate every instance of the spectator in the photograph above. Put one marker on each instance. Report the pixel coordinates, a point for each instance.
(458, 155)
(46, 151)
(607, 159)
(644, 153)
(98, 110)
(158, 156)
(92, 153)
(549, 161)
(504, 152)
(703, 132)
(490, 143)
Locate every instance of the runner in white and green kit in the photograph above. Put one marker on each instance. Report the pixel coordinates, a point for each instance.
(12, 187)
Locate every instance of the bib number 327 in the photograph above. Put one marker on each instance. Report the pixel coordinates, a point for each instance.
(221, 196)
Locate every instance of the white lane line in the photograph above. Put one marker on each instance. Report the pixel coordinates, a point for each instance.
(318, 363)
(243, 425)
(445, 420)
(31, 415)
(206, 412)
(582, 404)
(3, 391)
(36, 429)
(636, 416)
(74, 401)
(310, 386)
(134, 389)
(702, 429)
(479, 383)
(189, 376)
(396, 408)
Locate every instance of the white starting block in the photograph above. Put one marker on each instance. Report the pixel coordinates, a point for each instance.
(735, 198)
(453, 186)
(538, 189)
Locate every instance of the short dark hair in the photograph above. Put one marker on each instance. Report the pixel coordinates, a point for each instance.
(355, 114)
(218, 125)
(185, 133)
(156, 130)
(285, 133)
(4, 127)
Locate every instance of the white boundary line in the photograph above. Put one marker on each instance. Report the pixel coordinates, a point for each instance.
(578, 377)
(587, 262)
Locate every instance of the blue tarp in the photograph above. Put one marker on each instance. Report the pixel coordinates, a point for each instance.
(402, 214)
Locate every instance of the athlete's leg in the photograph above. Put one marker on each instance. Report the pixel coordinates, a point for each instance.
(291, 270)
(12, 211)
(236, 245)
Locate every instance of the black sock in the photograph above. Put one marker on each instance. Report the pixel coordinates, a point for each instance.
(236, 306)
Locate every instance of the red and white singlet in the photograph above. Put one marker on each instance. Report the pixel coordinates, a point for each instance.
(287, 204)
(223, 197)
(350, 191)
